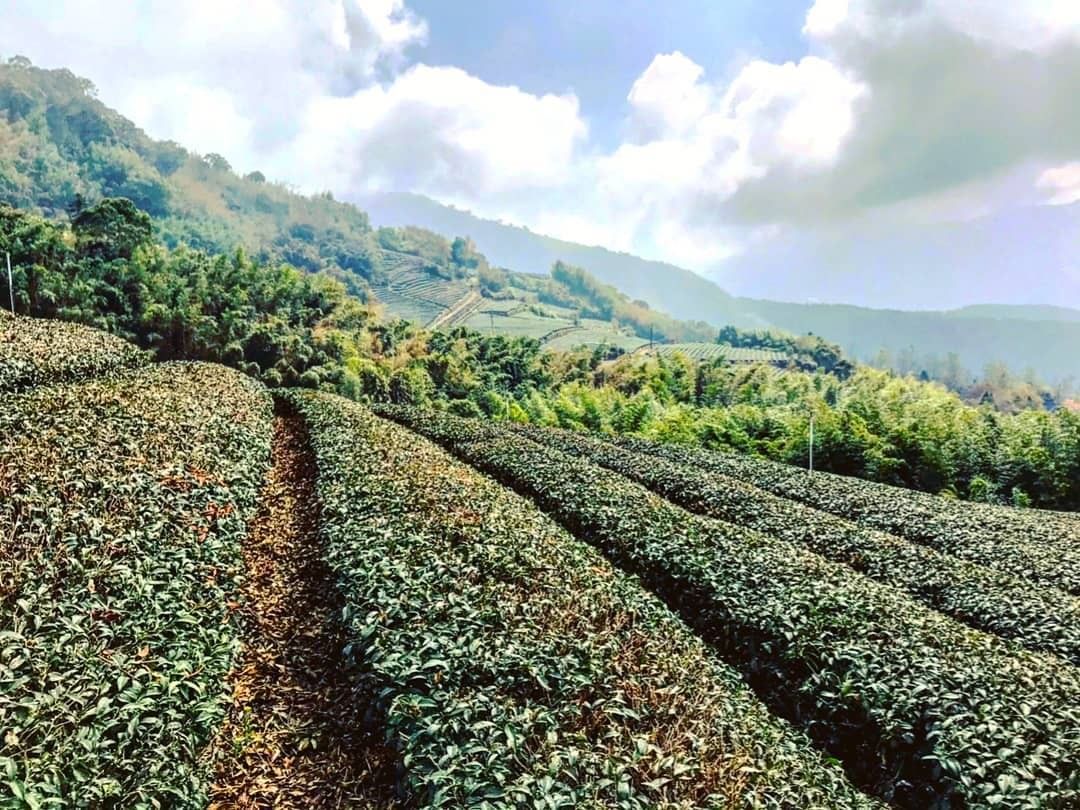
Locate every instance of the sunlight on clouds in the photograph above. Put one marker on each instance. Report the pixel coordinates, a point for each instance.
(796, 113)
(444, 131)
(1061, 183)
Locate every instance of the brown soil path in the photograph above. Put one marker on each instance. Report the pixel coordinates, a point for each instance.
(295, 735)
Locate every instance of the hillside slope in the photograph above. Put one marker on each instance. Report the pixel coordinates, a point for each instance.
(979, 334)
(673, 289)
(61, 149)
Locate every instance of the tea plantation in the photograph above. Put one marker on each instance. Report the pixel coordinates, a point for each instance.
(36, 352)
(404, 608)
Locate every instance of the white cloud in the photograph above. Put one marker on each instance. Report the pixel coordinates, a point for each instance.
(1061, 184)
(798, 114)
(669, 97)
(1014, 25)
(223, 77)
(683, 169)
(442, 131)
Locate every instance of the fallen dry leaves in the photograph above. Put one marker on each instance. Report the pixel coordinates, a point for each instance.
(295, 735)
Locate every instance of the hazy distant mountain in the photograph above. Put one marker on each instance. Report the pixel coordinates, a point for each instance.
(1033, 335)
(1027, 255)
(1018, 312)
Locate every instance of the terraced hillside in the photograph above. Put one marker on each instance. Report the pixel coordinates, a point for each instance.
(715, 351)
(412, 293)
(212, 599)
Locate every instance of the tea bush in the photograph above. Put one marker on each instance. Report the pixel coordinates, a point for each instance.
(123, 504)
(39, 352)
(1038, 618)
(514, 666)
(1039, 545)
(923, 711)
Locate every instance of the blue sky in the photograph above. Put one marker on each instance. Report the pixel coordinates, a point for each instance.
(597, 48)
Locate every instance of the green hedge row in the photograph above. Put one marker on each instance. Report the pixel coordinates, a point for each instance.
(40, 352)
(123, 506)
(1042, 619)
(514, 666)
(1038, 545)
(923, 711)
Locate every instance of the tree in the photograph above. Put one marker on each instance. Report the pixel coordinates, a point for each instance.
(113, 229)
(217, 162)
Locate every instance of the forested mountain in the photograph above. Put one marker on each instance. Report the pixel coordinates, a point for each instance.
(978, 335)
(61, 148)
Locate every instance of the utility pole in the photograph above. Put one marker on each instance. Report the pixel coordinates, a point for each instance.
(10, 283)
(811, 442)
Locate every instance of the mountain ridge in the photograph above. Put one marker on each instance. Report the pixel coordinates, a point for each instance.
(980, 334)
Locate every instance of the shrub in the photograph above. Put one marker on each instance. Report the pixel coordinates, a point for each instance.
(515, 666)
(923, 711)
(1043, 619)
(41, 352)
(127, 502)
(1040, 546)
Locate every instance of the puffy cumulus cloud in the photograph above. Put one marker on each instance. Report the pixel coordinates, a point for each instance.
(940, 109)
(796, 114)
(668, 98)
(959, 92)
(699, 144)
(1015, 25)
(225, 77)
(900, 105)
(1061, 184)
(441, 131)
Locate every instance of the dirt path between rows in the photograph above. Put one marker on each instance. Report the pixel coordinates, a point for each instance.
(294, 737)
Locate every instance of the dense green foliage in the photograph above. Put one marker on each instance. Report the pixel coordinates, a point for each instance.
(39, 352)
(514, 666)
(1039, 618)
(292, 328)
(810, 352)
(1040, 546)
(920, 709)
(61, 147)
(271, 321)
(199, 297)
(604, 302)
(125, 502)
(895, 430)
